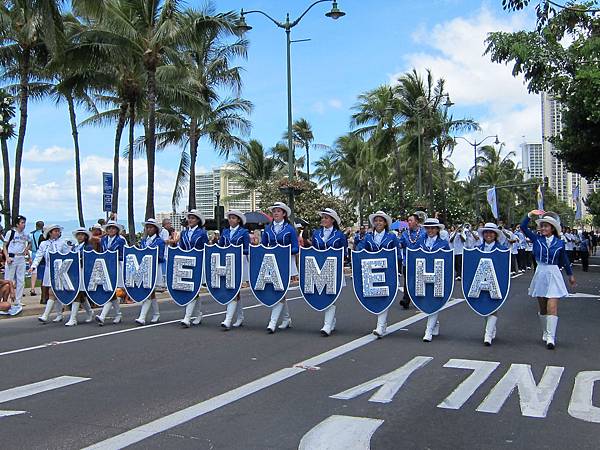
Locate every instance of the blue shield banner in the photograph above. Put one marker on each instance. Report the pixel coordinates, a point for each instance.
(223, 269)
(65, 276)
(429, 278)
(321, 276)
(184, 274)
(486, 279)
(375, 278)
(100, 274)
(270, 272)
(139, 271)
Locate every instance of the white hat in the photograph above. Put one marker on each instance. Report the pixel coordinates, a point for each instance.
(553, 219)
(387, 218)
(283, 206)
(82, 230)
(433, 222)
(49, 228)
(331, 213)
(96, 226)
(154, 223)
(490, 227)
(238, 213)
(112, 223)
(198, 214)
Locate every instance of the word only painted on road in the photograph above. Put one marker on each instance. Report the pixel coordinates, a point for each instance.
(430, 275)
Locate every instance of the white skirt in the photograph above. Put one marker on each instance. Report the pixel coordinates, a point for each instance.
(160, 282)
(120, 281)
(246, 269)
(46, 281)
(293, 266)
(548, 282)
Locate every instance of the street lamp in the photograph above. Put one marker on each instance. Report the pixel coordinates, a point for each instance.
(242, 27)
(476, 144)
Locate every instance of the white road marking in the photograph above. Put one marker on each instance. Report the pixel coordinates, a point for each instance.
(162, 424)
(516, 276)
(582, 295)
(481, 372)
(112, 333)
(581, 404)
(35, 388)
(388, 384)
(534, 399)
(341, 433)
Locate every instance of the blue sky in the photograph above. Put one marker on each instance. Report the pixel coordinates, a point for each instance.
(374, 43)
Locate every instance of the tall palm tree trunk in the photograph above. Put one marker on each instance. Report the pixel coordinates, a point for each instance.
(429, 155)
(117, 156)
(193, 156)
(151, 141)
(6, 194)
(443, 181)
(130, 207)
(307, 148)
(74, 132)
(399, 180)
(23, 99)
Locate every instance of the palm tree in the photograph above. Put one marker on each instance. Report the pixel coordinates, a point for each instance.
(281, 153)
(326, 172)
(7, 131)
(27, 36)
(303, 137)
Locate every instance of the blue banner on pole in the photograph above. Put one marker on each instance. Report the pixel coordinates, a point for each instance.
(107, 191)
(321, 276)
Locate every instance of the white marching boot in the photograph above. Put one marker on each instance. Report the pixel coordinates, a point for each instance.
(552, 323)
(118, 315)
(59, 312)
(286, 321)
(198, 319)
(186, 322)
(490, 330)
(105, 309)
(141, 320)
(544, 325)
(329, 322)
(275, 313)
(231, 307)
(155, 311)
(89, 311)
(432, 328)
(381, 325)
(73, 317)
(240, 314)
(49, 305)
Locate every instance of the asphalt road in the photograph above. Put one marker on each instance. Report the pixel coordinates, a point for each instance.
(166, 387)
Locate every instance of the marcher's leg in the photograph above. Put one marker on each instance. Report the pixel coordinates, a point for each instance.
(490, 329)
(380, 330)
(187, 318)
(275, 313)
(155, 311)
(20, 278)
(73, 316)
(432, 328)
(240, 313)
(141, 320)
(231, 307)
(286, 321)
(552, 322)
(328, 323)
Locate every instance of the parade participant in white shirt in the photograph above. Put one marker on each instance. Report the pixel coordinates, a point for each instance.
(548, 285)
(330, 236)
(152, 240)
(82, 236)
(432, 242)
(236, 234)
(113, 241)
(457, 243)
(36, 237)
(15, 251)
(53, 243)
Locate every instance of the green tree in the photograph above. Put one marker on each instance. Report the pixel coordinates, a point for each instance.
(7, 131)
(326, 172)
(593, 204)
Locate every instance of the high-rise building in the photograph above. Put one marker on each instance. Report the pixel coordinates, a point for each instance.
(532, 156)
(174, 217)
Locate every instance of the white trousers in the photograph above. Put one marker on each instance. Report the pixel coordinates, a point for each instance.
(15, 271)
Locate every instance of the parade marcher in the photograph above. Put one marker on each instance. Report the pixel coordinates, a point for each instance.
(330, 236)
(380, 238)
(585, 247)
(113, 241)
(16, 248)
(36, 237)
(53, 243)
(236, 234)
(410, 238)
(522, 249)
(281, 232)
(95, 239)
(193, 236)
(548, 284)
(457, 243)
(359, 235)
(432, 242)
(152, 240)
(491, 238)
(82, 236)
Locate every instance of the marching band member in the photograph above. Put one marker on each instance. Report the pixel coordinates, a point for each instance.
(82, 236)
(548, 284)
(193, 236)
(410, 238)
(52, 243)
(152, 240)
(457, 243)
(330, 236)
(491, 238)
(374, 241)
(281, 232)
(113, 241)
(96, 237)
(236, 234)
(432, 242)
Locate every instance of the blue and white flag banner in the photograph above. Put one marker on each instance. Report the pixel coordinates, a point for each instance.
(493, 201)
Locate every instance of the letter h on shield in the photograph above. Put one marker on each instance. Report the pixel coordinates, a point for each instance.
(217, 271)
(422, 277)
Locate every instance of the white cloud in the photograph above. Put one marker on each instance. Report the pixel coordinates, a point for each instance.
(49, 154)
(335, 103)
(321, 107)
(454, 50)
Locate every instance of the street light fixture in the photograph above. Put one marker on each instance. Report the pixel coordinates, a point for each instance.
(242, 27)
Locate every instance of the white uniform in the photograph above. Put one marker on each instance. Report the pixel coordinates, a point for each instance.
(16, 269)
